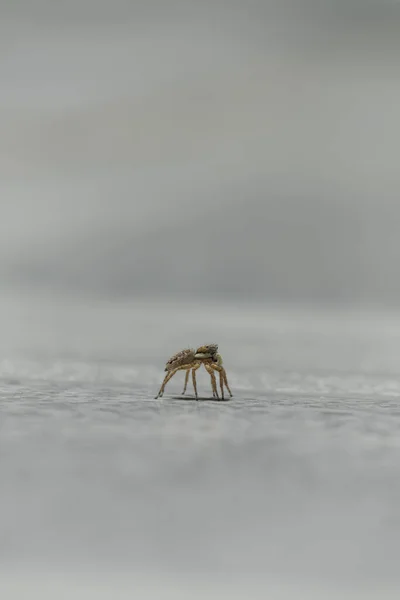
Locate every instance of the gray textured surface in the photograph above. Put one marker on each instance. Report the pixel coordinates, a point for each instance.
(295, 480)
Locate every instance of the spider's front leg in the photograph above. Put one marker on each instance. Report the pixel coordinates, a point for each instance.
(226, 381)
(210, 371)
(222, 379)
(221, 382)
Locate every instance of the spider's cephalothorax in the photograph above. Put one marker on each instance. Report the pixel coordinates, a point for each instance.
(210, 350)
(191, 360)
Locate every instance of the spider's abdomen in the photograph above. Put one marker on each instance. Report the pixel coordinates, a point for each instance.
(184, 357)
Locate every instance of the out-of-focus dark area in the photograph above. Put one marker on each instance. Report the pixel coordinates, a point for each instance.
(241, 150)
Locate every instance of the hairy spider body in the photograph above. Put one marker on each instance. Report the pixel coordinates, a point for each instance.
(191, 360)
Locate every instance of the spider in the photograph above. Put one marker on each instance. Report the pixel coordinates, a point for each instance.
(191, 360)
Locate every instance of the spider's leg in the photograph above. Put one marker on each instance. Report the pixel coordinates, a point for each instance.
(226, 381)
(162, 385)
(213, 380)
(166, 379)
(214, 384)
(221, 383)
(186, 381)
(194, 369)
(223, 377)
(208, 371)
(221, 380)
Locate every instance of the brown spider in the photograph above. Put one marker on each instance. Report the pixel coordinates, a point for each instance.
(191, 360)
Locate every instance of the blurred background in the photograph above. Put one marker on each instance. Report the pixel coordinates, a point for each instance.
(226, 150)
(172, 174)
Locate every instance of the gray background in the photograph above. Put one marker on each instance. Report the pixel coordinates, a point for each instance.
(211, 149)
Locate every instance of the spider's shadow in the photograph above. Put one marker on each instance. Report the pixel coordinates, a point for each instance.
(193, 399)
